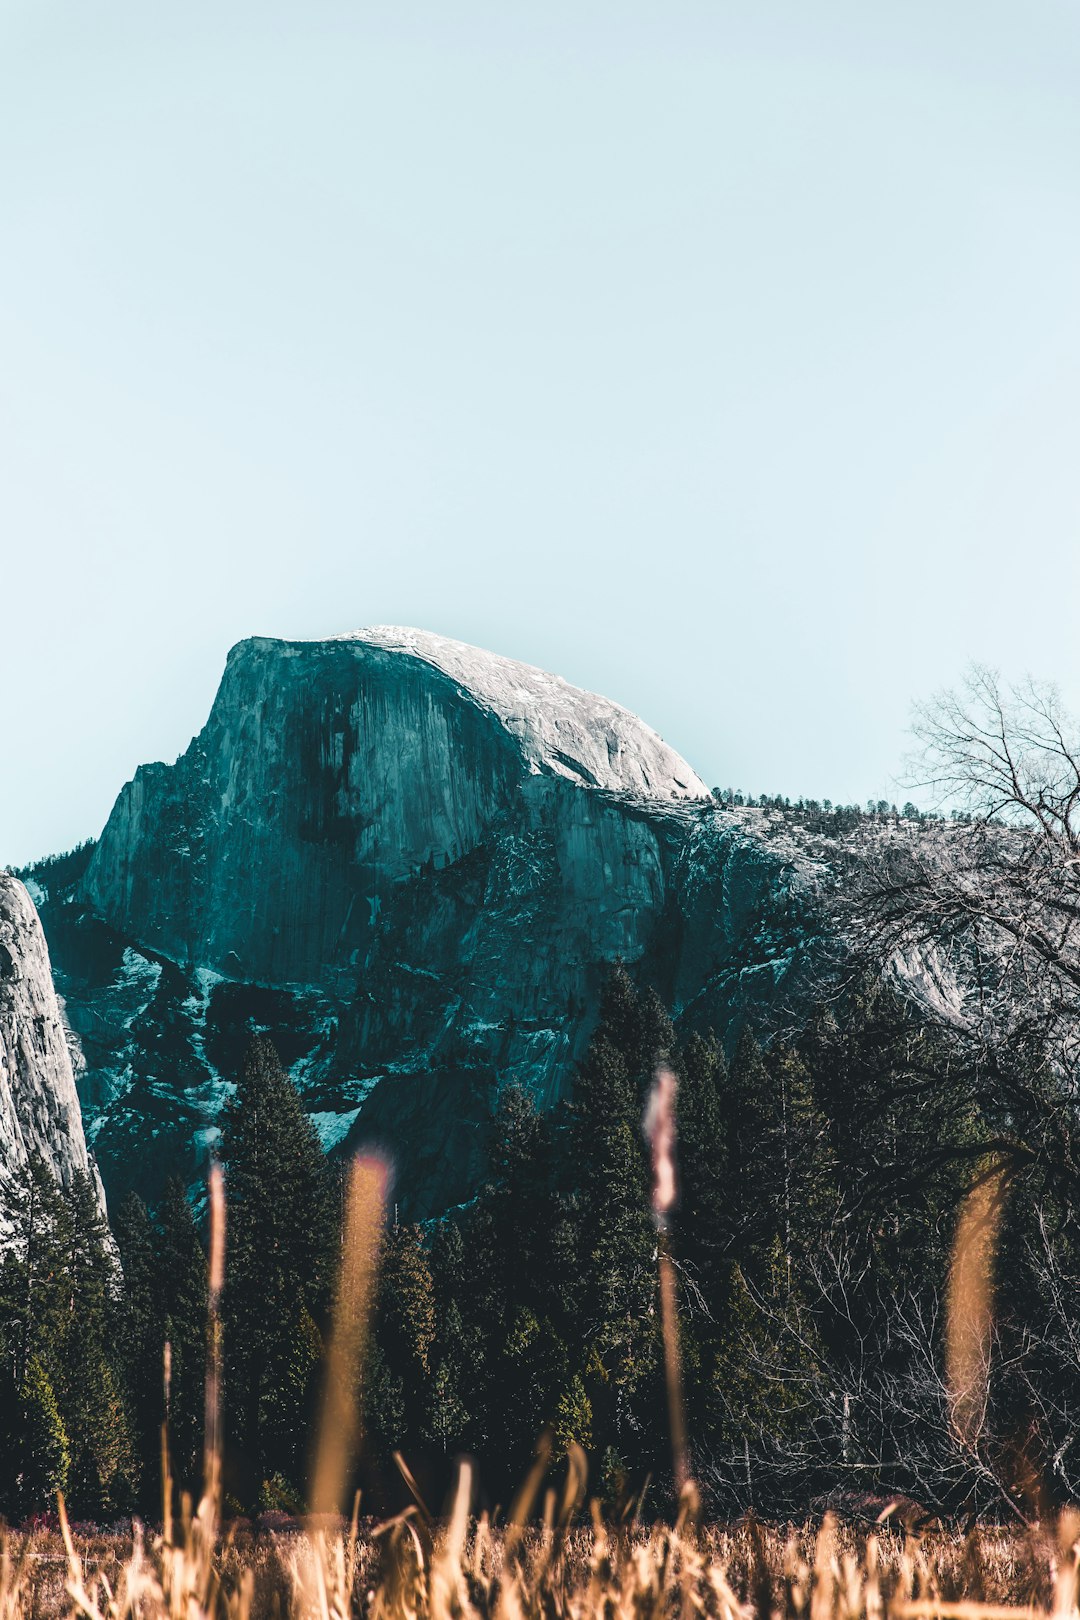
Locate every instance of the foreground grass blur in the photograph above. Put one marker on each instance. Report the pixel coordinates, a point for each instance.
(410, 1569)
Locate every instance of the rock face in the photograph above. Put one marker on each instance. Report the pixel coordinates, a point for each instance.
(409, 861)
(39, 1104)
(334, 778)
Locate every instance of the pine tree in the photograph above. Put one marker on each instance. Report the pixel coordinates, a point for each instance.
(180, 1266)
(503, 1294)
(458, 1354)
(164, 1303)
(616, 1236)
(278, 1277)
(104, 1465)
(34, 1292)
(59, 1304)
(524, 1202)
(755, 1173)
(33, 1443)
(655, 1042)
(573, 1418)
(138, 1339)
(702, 1225)
(34, 1452)
(405, 1334)
(704, 1192)
(806, 1181)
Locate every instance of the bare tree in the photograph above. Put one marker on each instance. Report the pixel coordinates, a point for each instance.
(975, 914)
(876, 1417)
(980, 913)
(1003, 753)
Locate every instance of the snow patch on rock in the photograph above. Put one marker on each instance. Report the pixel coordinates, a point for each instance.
(333, 1128)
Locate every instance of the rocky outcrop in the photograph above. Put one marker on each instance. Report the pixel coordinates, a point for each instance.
(409, 861)
(334, 777)
(39, 1104)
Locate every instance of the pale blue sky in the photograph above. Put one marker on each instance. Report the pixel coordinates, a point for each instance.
(721, 357)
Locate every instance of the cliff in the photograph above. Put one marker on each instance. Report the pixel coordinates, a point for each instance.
(409, 861)
(39, 1104)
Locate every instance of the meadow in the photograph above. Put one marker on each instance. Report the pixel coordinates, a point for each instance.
(411, 1569)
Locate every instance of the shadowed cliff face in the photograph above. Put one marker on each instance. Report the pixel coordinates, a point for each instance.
(39, 1105)
(409, 862)
(322, 781)
(331, 777)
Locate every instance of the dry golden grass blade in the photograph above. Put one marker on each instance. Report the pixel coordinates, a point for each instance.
(669, 1318)
(637, 1514)
(458, 1527)
(480, 1561)
(577, 1477)
(339, 1432)
(84, 1600)
(661, 1136)
(526, 1496)
(448, 1586)
(969, 1304)
(796, 1575)
(216, 1282)
(324, 1567)
(726, 1599)
(1066, 1565)
(689, 1509)
(413, 1488)
(873, 1601)
(824, 1580)
(963, 1609)
(851, 1587)
(166, 1464)
(15, 1601)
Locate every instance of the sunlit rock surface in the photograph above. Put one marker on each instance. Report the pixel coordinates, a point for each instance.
(409, 861)
(39, 1104)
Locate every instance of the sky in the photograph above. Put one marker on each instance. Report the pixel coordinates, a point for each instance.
(722, 357)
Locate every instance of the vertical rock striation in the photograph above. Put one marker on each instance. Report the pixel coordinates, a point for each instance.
(39, 1104)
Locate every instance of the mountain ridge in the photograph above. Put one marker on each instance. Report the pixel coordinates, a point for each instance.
(372, 852)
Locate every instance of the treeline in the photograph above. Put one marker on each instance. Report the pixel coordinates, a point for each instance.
(819, 1185)
(825, 816)
(63, 1409)
(55, 873)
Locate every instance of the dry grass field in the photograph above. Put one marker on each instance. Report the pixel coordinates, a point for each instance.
(570, 1564)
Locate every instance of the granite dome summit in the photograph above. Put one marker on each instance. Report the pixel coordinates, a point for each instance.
(562, 730)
